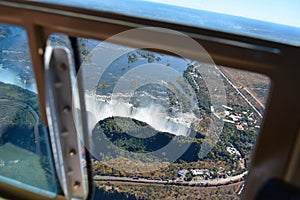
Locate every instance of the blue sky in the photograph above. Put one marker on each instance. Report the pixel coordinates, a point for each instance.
(278, 11)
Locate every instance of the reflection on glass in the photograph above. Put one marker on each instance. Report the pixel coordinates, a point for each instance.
(154, 120)
(25, 154)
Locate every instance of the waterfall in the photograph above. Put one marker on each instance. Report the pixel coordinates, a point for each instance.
(155, 115)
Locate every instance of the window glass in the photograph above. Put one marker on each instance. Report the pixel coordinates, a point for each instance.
(277, 23)
(63, 43)
(159, 122)
(25, 153)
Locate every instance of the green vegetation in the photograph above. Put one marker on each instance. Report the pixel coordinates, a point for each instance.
(22, 165)
(129, 191)
(199, 86)
(132, 57)
(119, 130)
(183, 102)
(104, 85)
(111, 194)
(23, 156)
(122, 131)
(15, 93)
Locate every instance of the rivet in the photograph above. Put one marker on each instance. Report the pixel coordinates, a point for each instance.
(72, 152)
(58, 84)
(40, 51)
(67, 109)
(76, 185)
(65, 133)
(70, 172)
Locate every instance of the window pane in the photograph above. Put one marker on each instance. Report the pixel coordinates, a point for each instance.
(155, 120)
(25, 153)
(159, 122)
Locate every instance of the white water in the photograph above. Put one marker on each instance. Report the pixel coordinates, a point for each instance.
(10, 77)
(155, 115)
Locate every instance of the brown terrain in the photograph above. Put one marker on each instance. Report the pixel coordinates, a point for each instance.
(250, 84)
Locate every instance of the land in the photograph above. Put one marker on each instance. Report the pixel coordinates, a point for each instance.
(254, 86)
(229, 158)
(125, 190)
(212, 171)
(23, 145)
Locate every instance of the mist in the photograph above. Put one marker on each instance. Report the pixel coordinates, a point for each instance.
(11, 77)
(155, 115)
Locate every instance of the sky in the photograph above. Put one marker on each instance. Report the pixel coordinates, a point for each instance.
(278, 11)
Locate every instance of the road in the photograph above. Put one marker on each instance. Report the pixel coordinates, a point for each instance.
(239, 92)
(35, 116)
(256, 99)
(212, 182)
